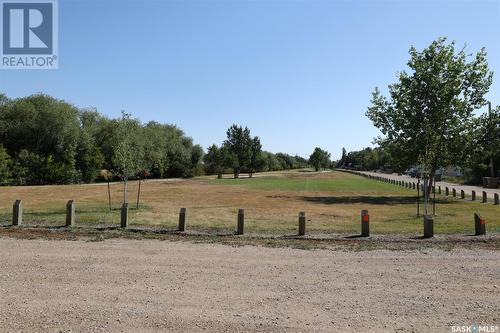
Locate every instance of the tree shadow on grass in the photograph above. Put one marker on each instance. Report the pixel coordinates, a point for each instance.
(372, 200)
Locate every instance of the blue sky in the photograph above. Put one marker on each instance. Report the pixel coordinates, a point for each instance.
(299, 74)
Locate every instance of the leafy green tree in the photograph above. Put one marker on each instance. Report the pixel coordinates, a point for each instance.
(3, 99)
(430, 108)
(196, 159)
(5, 166)
(343, 161)
(486, 141)
(319, 159)
(89, 158)
(47, 131)
(238, 144)
(155, 146)
(128, 152)
(271, 162)
(256, 162)
(215, 160)
(180, 156)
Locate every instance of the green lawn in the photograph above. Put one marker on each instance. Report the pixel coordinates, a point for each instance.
(332, 202)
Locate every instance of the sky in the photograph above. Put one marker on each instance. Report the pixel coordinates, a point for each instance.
(299, 74)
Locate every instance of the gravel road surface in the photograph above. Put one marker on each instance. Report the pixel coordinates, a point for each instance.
(149, 286)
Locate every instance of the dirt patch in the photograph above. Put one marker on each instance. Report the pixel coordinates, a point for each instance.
(150, 285)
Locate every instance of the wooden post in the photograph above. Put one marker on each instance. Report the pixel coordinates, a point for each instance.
(302, 223)
(70, 213)
(182, 219)
(109, 195)
(473, 195)
(124, 215)
(241, 222)
(462, 194)
(497, 199)
(479, 224)
(138, 194)
(17, 212)
(485, 197)
(446, 191)
(454, 192)
(428, 226)
(439, 189)
(365, 223)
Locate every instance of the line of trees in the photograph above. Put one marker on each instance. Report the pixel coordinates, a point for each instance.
(241, 152)
(365, 159)
(44, 140)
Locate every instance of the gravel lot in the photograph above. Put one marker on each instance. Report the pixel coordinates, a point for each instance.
(149, 285)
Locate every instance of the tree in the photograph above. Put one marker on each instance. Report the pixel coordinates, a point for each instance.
(215, 160)
(238, 144)
(46, 130)
(425, 120)
(343, 161)
(319, 159)
(89, 158)
(256, 161)
(156, 145)
(196, 158)
(127, 151)
(3, 99)
(486, 140)
(5, 166)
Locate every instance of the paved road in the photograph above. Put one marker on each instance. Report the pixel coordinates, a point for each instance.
(467, 188)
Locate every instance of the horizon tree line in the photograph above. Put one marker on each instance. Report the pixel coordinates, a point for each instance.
(44, 140)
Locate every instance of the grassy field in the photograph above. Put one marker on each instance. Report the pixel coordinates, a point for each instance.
(332, 202)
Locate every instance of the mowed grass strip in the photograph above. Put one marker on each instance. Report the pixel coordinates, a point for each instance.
(332, 202)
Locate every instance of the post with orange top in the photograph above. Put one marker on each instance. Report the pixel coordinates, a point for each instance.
(480, 224)
(302, 223)
(365, 223)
